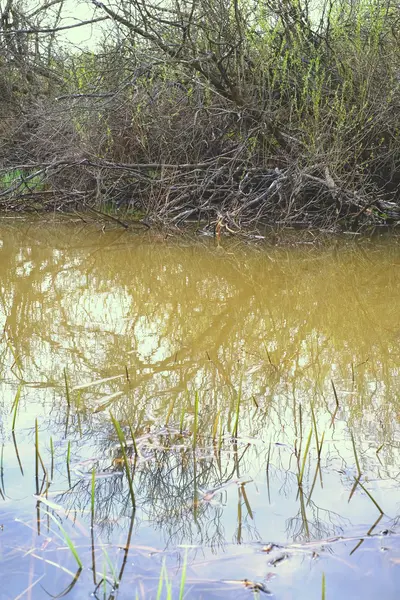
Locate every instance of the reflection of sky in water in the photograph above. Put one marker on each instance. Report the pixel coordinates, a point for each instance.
(181, 318)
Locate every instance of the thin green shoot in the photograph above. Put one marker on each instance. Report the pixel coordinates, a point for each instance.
(122, 442)
(132, 436)
(182, 418)
(68, 463)
(170, 410)
(14, 407)
(160, 581)
(67, 388)
(196, 418)
(183, 577)
(303, 466)
(2, 470)
(14, 439)
(236, 426)
(37, 456)
(215, 426)
(267, 469)
(52, 458)
(371, 497)
(110, 566)
(323, 595)
(92, 494)
(67, 539)
(337, 402)
(315, 426)
(355, 455)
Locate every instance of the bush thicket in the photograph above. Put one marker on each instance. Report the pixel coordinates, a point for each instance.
(232, 111)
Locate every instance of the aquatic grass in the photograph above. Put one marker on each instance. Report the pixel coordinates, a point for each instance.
(52, 458)
(336, 401)
(92, 495)
(379, 449)
(68, 463)
(170, 410)
(67, 391)
(14, 439)
(37, 456)
(215, 426)
(183, 576)
(92, 521)
(182, 418)
(267, 471)
(236, 425)
(110, 566)
(14, 407)
(355, 455)
(196, 418)
(370, 497)
(168, 584)
(122, 442)
(135, 449)
(303, 466)
(67, 539)
(3, 489)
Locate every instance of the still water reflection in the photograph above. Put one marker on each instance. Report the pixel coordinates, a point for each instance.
(260, 386)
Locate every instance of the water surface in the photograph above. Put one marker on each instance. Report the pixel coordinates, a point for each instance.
(261, 387)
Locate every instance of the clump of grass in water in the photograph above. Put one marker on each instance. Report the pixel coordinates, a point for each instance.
(168, 584)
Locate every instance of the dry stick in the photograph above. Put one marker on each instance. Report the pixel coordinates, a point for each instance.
(53, 29)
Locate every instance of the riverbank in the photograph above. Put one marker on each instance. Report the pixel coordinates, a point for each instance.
(239, 116)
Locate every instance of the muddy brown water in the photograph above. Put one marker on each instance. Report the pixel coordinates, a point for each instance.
(261, 386)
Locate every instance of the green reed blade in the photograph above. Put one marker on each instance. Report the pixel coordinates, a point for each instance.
(132, 436)
(323, 595)
(92, 494)
(52, 458)
(355, 455)
(37, 456)
(182, 419)
(68, 463)
(196, 417)
(122, 442)
(371, 497)
(67, 387)
(183, 576)
(303, 466)
(236, 426)
(15, 406)
(67, 539)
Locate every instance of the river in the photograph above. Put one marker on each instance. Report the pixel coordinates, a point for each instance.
(181, 418)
